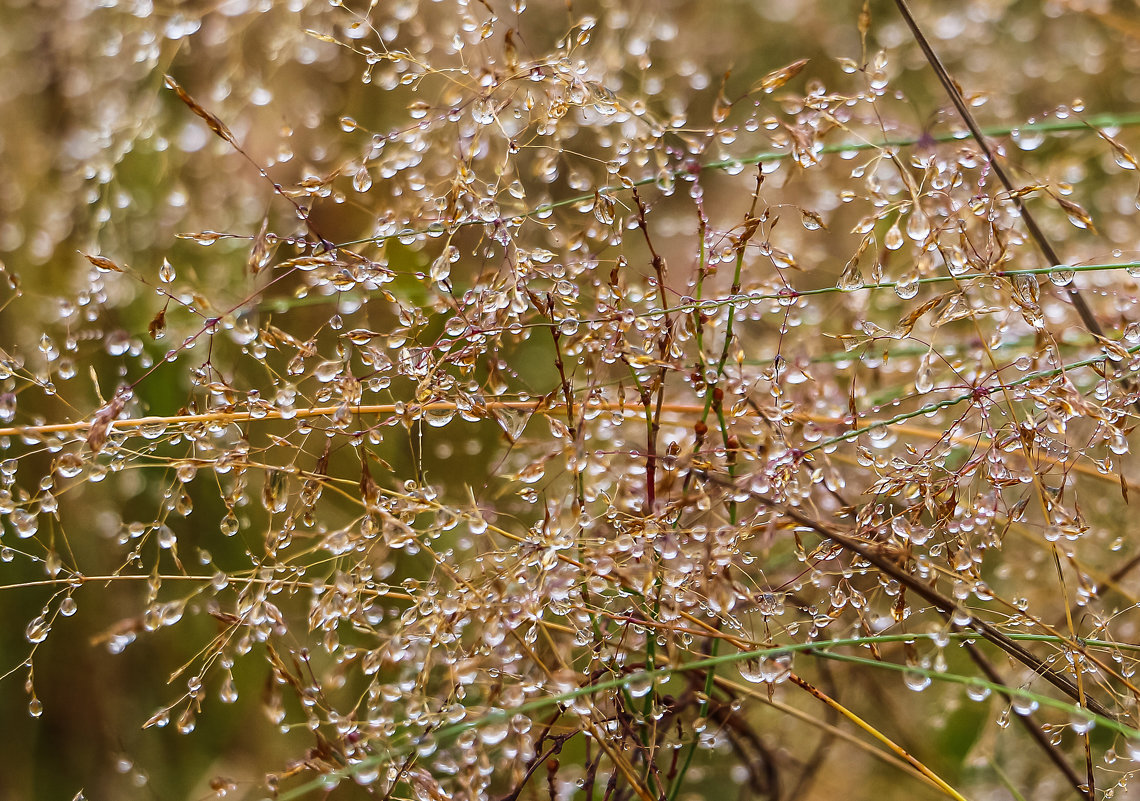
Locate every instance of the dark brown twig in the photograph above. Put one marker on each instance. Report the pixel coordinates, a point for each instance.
(757, 757)
(937, 599)
(663, 342)
(1035, 232)
(1092, 325)
(538, 759)
(1028, 723)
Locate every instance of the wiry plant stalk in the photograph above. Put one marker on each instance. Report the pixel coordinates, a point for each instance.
(558, 415)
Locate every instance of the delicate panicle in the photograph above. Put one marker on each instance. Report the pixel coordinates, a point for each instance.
(495, 400)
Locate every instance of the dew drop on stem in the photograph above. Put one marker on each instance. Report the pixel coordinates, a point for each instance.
(977, 692)
(37, 629)
(1023, 705)
(917, 227)
(639, 684)
(907, 286)
(362, 179)
(1061, 275)
(893, 240)
(916, 681)
(924, 379)
(851, 278)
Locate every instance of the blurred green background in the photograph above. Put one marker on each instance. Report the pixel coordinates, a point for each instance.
(97, 156)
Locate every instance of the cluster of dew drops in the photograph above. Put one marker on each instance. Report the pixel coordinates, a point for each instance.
(570, 245)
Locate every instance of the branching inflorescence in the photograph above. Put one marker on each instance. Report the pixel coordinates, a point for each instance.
(524, 402)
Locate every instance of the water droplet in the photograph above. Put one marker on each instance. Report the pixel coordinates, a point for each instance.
(487, 210)
(367, 774)
(894, 238)
(639, 684)
(851, 279)
(811, 220)
(774, 669)
(228, 692)
(1061, 275)
(118, 343)
(786, 296)
(603, 208)
(166, 537)
(1027, 140)
(1081, 721)
(532, 473)
(483, 111)
(782, 259)
(977, 692)
(957, 262)
(495, 731)
(916, 681)
(1118, 443)
(69, 465)
(749, 670)
(362, 180)
(26, 523)
(1023, 705)
(327, 371)
(37, 629)
(441, 267)
(924, 379)
(439, 417)
(186, 721)
(917, 226)
(907, 286)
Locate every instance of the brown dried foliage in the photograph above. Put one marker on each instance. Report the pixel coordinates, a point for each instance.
(512, 402)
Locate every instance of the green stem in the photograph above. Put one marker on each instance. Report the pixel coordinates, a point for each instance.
(822, 649)
(1100, 121)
